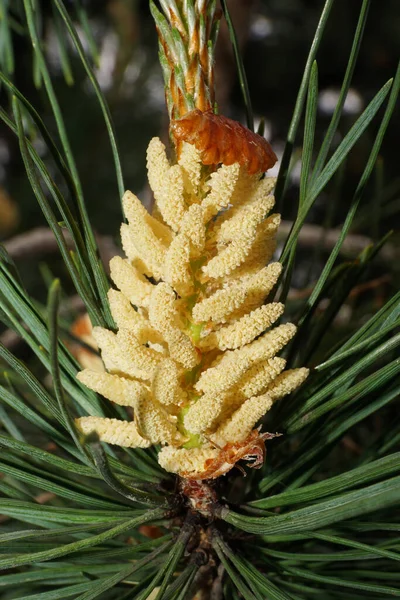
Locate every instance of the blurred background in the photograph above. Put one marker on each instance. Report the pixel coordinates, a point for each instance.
(275, 37)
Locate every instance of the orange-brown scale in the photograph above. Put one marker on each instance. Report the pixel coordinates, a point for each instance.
(222, 140)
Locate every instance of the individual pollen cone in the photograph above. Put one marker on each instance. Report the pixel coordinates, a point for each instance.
(195, 354)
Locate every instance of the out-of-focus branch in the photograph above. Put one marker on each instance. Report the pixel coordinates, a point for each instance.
(33, 244)
(40, 242)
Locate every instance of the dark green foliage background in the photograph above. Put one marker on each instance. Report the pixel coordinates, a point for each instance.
(321, 519)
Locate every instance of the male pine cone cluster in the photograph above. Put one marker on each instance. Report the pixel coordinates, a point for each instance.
(195, 351)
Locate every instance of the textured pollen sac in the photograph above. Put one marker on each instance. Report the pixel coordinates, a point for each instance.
(194, 358)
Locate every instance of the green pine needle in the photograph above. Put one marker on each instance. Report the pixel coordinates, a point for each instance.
(85, 520)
